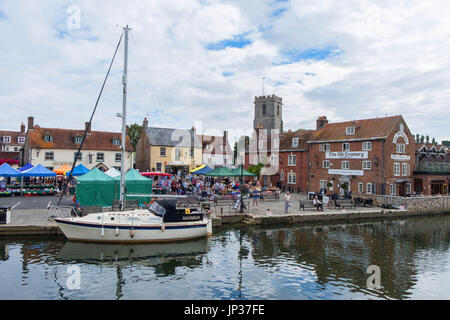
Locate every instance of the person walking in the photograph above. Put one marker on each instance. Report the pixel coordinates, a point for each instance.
(287, 201)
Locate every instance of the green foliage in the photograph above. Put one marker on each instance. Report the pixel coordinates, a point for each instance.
(134, 132)
(256, 169)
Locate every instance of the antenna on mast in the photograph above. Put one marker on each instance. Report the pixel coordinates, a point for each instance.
(263, 85)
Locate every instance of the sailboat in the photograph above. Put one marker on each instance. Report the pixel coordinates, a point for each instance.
(164, 220)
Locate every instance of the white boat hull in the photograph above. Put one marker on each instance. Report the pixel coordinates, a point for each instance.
(77, 229)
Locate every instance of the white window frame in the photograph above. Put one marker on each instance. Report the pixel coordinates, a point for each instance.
(6, 139)
(367, 146)
(400, 148)
(408, 188)
(360, 187)
(49, 156)
(397, 169)
(345, 165)
(274, 160)
(326, 147)
(295, 142)
(369, 188)
(48, 138)
(350, 130)
(160, 166)
(367, 165)
(292, 160)
(344, 148)
(392, 189)
(21, 139)
(276, 143)
(80, 156)
(99, 158)
(162, 151)
(78, 139)
(405, 169)
(116, 142)
(118, 157)
(282, 175)
(326, 164)
(292, 177)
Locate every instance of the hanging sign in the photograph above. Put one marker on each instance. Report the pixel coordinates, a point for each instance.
(346, 172)
(346, 155)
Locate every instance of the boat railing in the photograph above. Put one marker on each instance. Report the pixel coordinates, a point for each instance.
(61, 211)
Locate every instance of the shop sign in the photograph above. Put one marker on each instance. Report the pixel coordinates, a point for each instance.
(346, 155)
(400, 157)
(346, 172)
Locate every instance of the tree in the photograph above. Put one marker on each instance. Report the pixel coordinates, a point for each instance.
(134, 132)
(446, 143)
(256, 169)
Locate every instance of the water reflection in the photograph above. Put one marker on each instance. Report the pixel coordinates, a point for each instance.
(343, 252)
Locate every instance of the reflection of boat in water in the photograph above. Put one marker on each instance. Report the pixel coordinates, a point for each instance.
(96, 252)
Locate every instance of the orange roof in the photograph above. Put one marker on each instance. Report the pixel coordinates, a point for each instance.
(65, 139)
(364, 129)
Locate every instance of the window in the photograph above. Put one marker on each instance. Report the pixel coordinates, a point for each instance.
(264, 109)
(360, 187)
(400, 148)
(396, 169)
(326, 147)
(322, 184)
(21, 139)
(274, 160)
(159, 166)
(177, 154)
(191, 152)
(118, 157)
(16, 149)
(392, 189)
(291, 177)
(116, 142)
(6, 139)
(346, 147)
(294, 142)
(408, 188)
(345, 165)
(405, 169)
(260, 144)
(292, 159)
(369, 188)
(326, 164)
(367, 146)
(48, 138)
(162, 151)
(350, 130)
(78, 139)
(278, 110)
(80, 156)
(100, 157)
(276, 143)
(366, 165)
(282, 175)
(49, 156)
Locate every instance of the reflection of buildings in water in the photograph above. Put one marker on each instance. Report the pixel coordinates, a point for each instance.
(346, 251)
(4, 252)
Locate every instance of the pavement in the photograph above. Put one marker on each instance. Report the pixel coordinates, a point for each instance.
(41, 202)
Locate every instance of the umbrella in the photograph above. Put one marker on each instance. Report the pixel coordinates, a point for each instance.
(25, 167)
(7, 171)
(39, 171)
(220, 172)
(79, 170)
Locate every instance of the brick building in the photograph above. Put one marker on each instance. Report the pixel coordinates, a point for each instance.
(216, 150)
(370, 156)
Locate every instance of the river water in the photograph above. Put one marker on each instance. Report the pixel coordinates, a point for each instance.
(280, 263)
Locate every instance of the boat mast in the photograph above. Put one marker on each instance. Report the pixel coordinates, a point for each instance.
(124, 122)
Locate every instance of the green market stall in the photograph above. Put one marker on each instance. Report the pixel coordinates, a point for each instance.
(96, 189)
(135, 183)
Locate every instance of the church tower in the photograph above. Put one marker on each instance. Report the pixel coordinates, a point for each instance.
(268, 113)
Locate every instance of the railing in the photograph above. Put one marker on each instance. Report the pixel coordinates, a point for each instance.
(391, 201)
(414, 203)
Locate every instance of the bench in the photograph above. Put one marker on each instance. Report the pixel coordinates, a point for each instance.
(360, 202)
(270, 197)
(308, 204)
(342, 204)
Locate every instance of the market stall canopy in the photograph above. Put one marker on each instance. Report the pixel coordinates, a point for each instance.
(242, 172)
(96, 188)
(201, 170)
(220, 172)
(62, 170)
(25, 167)
(7, 171)
(112, 172)
(79, 170)
(150, 174)
(39, 171)
(135, 183)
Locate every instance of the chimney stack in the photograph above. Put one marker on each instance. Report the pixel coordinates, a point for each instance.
(87, 126)
(22, 128)
(145, 124)
(321, 122)
(30, 123)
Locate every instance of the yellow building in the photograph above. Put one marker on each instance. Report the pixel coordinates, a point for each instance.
(174, 151)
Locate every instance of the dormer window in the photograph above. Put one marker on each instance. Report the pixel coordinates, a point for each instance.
(294, 142)
(48, 138)
(116, 142)
(78, 139)
(21, 139)
(350, 130)
(6, 139)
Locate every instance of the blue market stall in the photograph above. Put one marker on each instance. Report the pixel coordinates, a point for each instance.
(79, 170)
(8, 172)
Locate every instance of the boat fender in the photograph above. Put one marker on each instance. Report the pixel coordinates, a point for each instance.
(132, 233)
(102, 232)
(163, 227)
(117, 231)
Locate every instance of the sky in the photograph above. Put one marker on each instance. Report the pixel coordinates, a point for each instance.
(202, 62)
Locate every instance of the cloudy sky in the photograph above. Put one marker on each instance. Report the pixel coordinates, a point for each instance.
(204, 60)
